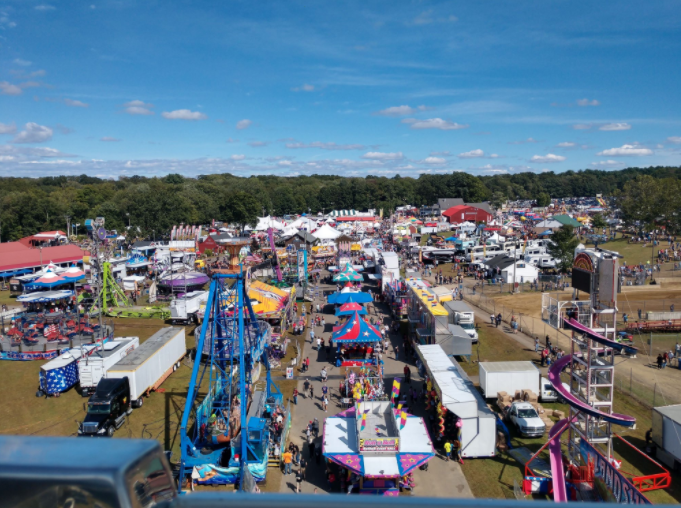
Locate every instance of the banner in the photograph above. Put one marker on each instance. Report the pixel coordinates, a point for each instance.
(611, 484)
(384, 444)
(28, 356)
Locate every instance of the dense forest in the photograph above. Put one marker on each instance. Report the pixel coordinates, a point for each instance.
(155, 204)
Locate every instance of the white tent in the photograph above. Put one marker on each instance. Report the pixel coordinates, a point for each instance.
(289, 231)
(326, 232)
(305, 223)
(268, 222)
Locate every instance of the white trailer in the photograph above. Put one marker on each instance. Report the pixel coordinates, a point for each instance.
(667, 434)
(151, 363)
(186, 307)
(92, 368)
(507, 377)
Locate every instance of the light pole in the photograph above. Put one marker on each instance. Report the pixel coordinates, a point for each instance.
(127, 214)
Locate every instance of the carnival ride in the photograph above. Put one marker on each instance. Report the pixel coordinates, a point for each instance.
(590, 392)
(226, 437)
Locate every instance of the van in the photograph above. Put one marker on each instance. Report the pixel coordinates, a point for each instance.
(546, 391)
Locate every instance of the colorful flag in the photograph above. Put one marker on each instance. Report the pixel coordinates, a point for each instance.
(364, 420)
(403, 419)
(399, 406)
(396, 389)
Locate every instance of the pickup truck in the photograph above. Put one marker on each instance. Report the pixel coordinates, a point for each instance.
(526, 419)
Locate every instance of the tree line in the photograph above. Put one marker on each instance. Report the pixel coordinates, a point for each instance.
(154, 205)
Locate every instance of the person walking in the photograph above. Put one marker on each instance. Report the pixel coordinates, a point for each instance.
(299, 480)
(448, 450)
(295, 396)
(492, 319)
(407, 374)
(536, 344)
(499, 318)
(659, 362)
(323, 374)
(325, 402)
(311, 391)
(287, 457)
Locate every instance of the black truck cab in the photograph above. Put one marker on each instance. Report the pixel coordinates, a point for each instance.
(107, 408)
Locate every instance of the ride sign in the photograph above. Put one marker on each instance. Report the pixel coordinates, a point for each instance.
(384, 444)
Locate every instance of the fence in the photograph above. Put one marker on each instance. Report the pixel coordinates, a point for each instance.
(648, 394)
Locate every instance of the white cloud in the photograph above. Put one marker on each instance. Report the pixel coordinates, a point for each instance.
(625, 150)
(22, 62)
(383, 156)
(607, 164)
(325, 146)
(76, 104)
(675, 139)
(258, 144)
(400, 110)
(44, 7)
(183, 114)
(472, 154)
(434, 160)
(284, 163)
(549, 157)
(243, 124)
(528, 140)
(238, 157)
(582, 126)
(304, 88)
(138, 107)
(567, 144)
(587, 102)
(7, 88)
(109, 139)
(33, 133)
(434, 123)
(426, 18)
(622, 126)
(7, 128)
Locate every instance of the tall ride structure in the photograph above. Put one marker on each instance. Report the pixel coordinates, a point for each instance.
(226, 436)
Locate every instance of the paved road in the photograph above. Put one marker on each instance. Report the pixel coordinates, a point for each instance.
(443, 479)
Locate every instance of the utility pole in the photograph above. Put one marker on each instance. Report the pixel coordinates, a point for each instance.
(68, 225)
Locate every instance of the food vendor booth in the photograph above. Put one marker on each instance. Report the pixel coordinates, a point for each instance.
(375, 449)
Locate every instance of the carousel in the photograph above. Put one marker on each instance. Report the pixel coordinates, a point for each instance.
(355, 342)
(373, 448)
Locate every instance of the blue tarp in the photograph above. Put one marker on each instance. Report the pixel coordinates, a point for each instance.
(350, 296)
(15, 272)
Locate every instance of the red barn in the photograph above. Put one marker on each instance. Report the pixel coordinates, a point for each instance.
(466, 213)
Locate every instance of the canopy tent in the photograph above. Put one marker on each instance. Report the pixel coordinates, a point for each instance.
(356, 329)
(326, 232)
(12, 273)
(73, 274)
(304, 223)
(264, 223)
(44, 296)
(350, 308)
(49, 280)
(348, 275)
(289, 231)
(342, 213)
(354, 296)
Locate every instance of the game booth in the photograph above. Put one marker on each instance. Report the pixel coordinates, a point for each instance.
(355, 342)
(374, 448)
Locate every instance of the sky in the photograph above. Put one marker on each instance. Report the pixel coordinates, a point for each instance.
(119, 88)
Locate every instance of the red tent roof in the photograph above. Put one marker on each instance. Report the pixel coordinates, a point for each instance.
(30, 258)
(350, 306)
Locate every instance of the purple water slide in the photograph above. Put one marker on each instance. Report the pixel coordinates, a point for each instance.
(554, 378)
(579, 327)
(556, 455)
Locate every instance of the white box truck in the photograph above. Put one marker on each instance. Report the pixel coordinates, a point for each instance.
(667, 435)
(151, 363)
(92, 368)
(185, 308)
(461, 314)
(507, 377)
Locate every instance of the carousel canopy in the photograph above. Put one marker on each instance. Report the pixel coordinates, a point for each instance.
(356, 329)
(353, 296)
(73, 274)
(350, 308)
(348, 275)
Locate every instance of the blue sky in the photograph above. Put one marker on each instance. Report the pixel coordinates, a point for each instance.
(113, 88)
